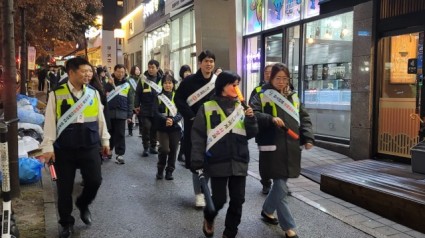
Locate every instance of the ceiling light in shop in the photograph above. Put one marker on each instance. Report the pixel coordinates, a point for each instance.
(336, 24)
(310, 40)
(327, 35)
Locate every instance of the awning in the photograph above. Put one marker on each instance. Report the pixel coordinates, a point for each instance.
(89, 51)
(158, 23)
(178, 11)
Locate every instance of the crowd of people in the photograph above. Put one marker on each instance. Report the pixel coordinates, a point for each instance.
(88, 110)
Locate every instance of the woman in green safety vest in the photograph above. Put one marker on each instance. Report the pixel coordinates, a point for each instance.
(169, 129)
(220, 135)
(285, 125)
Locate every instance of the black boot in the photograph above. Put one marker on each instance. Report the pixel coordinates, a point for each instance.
(169, 175)
(145, 153)
(160, 173)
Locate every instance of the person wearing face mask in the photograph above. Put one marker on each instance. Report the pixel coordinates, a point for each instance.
(220, 135)
(278, 109)
(120, 96)
(74, 127)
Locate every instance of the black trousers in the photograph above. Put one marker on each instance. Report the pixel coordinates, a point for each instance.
(41, 84)
(117, 132)
(148, 132)
(66, 163)
(236, 186)
(167, 151)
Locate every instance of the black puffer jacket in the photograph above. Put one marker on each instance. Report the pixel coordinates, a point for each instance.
(232, 149)
(186, 88)
(146, 96)
(285, 160)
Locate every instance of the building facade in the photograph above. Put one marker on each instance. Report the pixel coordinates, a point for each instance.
(347, 59)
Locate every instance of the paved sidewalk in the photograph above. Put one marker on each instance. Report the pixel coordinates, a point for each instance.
(309, 192)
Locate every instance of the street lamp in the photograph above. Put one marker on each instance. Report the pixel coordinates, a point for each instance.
(118, 35)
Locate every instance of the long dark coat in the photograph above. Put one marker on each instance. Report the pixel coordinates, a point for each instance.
(285, 161)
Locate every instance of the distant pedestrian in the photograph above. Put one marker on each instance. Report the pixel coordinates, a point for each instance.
(119, 96)
(278, 109)
(133, 79)
(185, 71)
(146, 93)
(42, 74)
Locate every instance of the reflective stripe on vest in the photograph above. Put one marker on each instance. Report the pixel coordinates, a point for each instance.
(151, 84)
(63, 95)
(163, 97)
(265, 100)
(121, 90)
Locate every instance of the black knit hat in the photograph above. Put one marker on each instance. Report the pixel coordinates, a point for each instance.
(224, 78)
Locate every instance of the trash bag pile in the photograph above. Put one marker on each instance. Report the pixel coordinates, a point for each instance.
(30, 135)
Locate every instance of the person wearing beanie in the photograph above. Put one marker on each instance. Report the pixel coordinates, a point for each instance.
(188, 101)
(220, 135)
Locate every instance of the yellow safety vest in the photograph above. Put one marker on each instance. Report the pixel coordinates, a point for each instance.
(266, 100)
(64, 96)
(212, 106)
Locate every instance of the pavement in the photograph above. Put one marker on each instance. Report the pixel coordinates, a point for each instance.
(303, 189)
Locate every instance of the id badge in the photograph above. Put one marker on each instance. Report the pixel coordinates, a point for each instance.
(80, 118)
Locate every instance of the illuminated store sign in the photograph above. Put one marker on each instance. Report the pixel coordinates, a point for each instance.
(253, 61)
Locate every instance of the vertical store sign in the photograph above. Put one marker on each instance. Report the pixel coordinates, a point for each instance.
(31, 58)
(109, 49)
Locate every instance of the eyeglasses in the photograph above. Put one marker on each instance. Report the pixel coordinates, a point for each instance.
(282, 79)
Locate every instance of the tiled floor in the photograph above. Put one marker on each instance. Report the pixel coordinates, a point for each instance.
(309, 192)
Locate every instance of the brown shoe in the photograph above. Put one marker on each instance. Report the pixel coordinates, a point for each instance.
(208, 228)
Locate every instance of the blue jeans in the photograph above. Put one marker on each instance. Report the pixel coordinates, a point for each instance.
(196, 184)
(277, 200)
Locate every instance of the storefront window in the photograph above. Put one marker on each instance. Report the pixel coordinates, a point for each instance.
(253, 16)
(157, 46)
(291, 10)
(175, 34)
(327, 74)
(311, 8)
(293, 54)
(273, 49)
(273, 13)
(253, 63)
(186, 32)
(184, 48)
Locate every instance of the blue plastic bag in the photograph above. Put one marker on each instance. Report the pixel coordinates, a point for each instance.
(29, 170)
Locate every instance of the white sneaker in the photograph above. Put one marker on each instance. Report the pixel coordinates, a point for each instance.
(199, 200)
(120, 159)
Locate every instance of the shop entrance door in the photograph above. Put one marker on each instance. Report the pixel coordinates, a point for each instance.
(398, 124)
